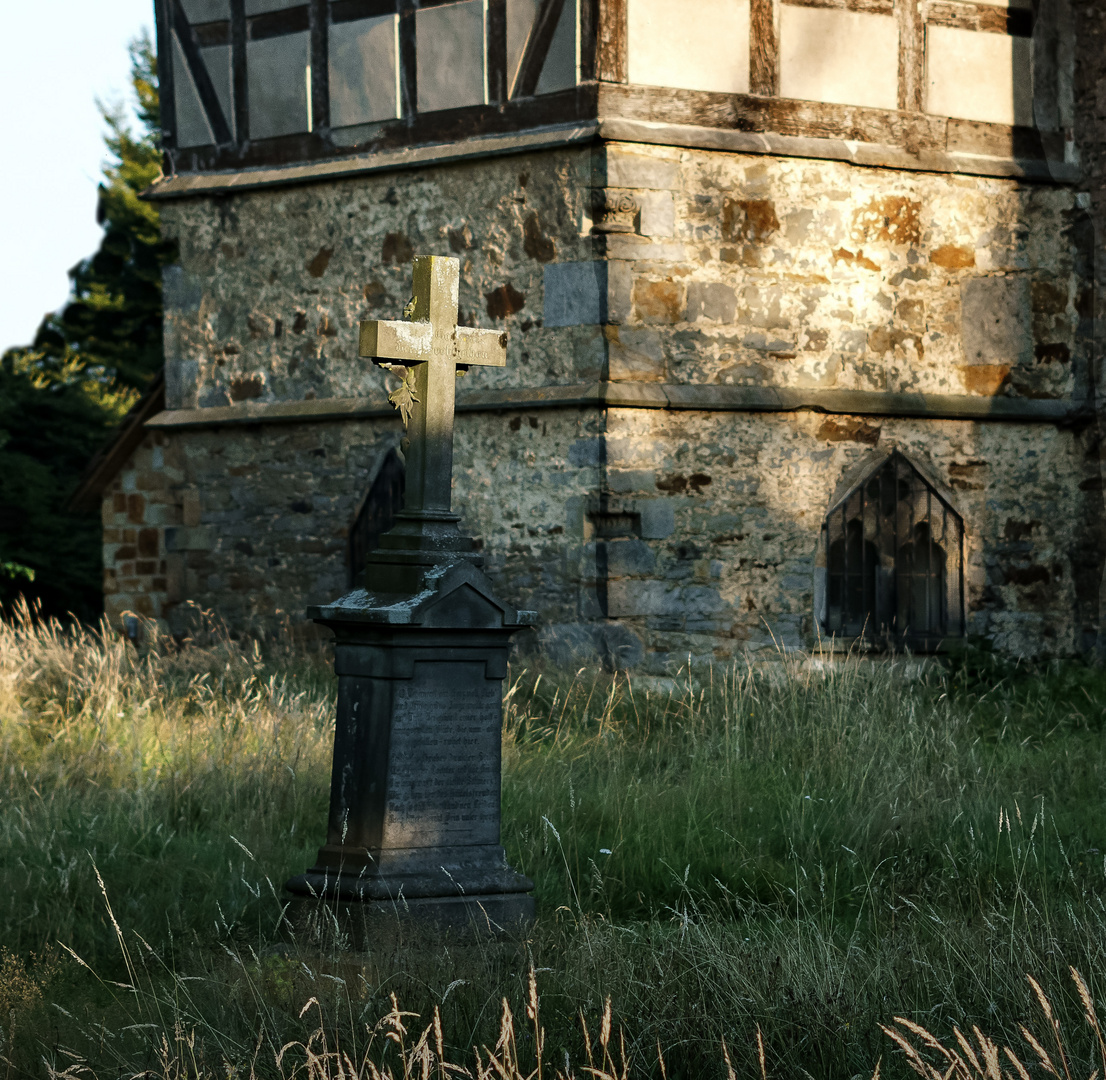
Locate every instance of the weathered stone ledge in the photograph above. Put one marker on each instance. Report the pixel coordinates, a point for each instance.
(219, 183)
(703, 398)
(878, 155)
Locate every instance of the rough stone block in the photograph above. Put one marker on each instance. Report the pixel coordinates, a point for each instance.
(635, 355)
(658, 518)
(182, 539)
(711, 301)
(181, 292)
(586, 452)
(629, 598)
(620, 285)
(996, 320)
(149, 543)
(575, 294)
(629, 558)
(626, 481)
(847, 57)
(190, 508)
(658, 301)
(667, 47)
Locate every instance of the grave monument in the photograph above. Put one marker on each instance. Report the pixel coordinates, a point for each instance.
(421, 653)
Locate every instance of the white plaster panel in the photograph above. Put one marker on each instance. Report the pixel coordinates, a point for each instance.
(974, 76)
(845, 57)
(703, 49)
(277, 73)
(451, 64)
(364, 74)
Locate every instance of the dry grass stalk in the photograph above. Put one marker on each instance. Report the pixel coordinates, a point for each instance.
(987, 1064)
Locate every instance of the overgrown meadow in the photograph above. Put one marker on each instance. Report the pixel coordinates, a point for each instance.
(743, 872)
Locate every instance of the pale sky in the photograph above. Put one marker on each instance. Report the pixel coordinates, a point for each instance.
(56, 58)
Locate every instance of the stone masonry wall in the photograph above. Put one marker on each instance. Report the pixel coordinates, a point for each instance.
(144, 503)
(714, 269)
(276, 503)
(792, 272)
(747, 495)
(265, 302)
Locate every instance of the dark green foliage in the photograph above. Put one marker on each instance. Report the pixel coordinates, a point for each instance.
(54, 415)
(62, 397)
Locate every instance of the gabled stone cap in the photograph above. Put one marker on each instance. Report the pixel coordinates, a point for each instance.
(458, 597)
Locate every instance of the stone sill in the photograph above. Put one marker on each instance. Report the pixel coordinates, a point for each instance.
(701, 398)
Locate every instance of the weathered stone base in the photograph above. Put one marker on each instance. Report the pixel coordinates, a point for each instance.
(349, 924)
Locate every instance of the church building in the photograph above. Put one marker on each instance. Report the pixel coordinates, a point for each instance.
(800, 297)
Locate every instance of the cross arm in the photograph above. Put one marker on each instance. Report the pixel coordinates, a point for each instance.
(481, 348)
(404, 342)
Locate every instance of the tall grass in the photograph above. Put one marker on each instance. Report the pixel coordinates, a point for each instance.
(796, 852)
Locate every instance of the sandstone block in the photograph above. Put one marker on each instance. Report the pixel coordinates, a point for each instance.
(634, 355)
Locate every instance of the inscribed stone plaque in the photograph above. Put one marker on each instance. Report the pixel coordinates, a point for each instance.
(977, 76)
(845, 57)
(451, 67)
(364, 75)
(707, 49)
(277, 70)
(443, 761)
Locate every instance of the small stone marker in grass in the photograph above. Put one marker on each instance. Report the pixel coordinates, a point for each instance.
(421, 653)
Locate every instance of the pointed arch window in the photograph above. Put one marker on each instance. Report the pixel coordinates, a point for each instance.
(376, 515)
(894, 561)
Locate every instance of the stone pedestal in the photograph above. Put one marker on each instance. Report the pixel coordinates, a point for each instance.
(414, 827)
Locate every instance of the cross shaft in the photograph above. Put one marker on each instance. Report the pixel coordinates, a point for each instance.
(435, 347)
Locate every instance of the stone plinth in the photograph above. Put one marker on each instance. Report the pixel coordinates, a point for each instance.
(414, 826)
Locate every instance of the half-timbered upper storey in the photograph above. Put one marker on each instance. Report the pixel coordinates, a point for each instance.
(934, 84)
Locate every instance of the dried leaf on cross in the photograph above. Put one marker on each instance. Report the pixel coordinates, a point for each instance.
(403, 399)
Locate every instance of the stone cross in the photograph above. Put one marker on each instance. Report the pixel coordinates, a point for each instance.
(438, 349)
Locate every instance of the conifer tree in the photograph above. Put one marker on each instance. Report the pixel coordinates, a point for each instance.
(62, 397)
